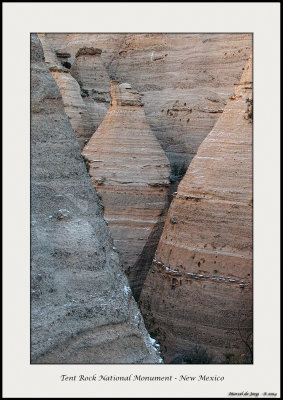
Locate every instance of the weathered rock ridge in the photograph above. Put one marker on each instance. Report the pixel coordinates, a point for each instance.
(82, 309)
(199, 291)
(185, 79)
(75, 108)
(82, 124)
(130, 171)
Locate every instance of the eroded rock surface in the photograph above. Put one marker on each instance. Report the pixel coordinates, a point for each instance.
(199, 290)
(130, 171)
(82, 309)
(76, 110)
(186, 80)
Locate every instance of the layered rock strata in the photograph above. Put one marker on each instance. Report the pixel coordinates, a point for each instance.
(82, 309)
(186, 80)
(199, 290)
(90, 73)
(75, 108)
(130, 171)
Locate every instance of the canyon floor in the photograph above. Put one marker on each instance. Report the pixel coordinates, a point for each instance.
(141, 198)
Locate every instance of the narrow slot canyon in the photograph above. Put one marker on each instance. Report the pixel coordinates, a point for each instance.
(149, 223)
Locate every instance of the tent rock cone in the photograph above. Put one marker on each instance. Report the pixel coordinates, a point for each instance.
(130, 171)
(199, 294)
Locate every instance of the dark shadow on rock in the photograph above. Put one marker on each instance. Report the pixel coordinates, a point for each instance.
(141, 267)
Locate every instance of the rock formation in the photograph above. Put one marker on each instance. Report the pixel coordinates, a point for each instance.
(82, 309)
(186, 80)
(131, 173)
(199, 291)
(89, 72)
(75, 108)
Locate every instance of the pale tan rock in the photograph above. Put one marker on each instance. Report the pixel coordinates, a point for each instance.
(74, 106)
(200, 293)
(131, 173)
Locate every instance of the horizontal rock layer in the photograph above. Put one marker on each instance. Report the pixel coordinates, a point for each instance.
(82, 309)
(199, 290)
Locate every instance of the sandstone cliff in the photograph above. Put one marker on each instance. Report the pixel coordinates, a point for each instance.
(131, 173)
(199, 291)
(82, 309)
(186, 80)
